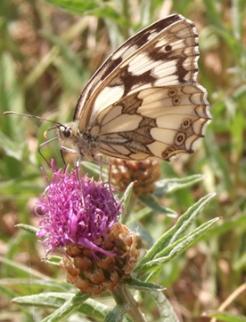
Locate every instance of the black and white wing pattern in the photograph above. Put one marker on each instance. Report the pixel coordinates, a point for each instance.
(145, 101)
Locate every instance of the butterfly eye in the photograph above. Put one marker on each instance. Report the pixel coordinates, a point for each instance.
(66, 131)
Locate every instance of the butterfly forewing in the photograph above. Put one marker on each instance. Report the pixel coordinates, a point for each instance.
(144, 101)
(111, 65)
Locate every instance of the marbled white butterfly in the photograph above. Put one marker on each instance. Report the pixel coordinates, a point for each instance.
(144, 101)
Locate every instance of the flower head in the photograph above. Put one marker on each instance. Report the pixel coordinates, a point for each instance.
(76, 210)
(95, 275)
(143, 173)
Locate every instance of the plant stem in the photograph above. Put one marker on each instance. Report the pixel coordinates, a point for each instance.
(124, 298)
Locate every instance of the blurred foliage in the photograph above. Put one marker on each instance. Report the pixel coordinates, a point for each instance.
(46, 55)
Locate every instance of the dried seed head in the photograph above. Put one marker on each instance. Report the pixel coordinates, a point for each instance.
(143, 173)
(94, 273)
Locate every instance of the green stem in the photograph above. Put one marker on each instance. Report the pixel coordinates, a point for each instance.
(124, 298)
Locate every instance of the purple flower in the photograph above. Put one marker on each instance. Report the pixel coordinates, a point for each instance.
(76, 210)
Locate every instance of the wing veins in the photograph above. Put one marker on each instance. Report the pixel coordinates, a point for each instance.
(114, 72)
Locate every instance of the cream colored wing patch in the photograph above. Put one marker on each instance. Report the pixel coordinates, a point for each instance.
(157, 122)
(164, 53)
(169, 57)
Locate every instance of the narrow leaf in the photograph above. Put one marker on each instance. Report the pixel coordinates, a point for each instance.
(179, 246)
(46, 299)
(94, 309)
(227, 317)
(153, 203)
(91, 168)
(92, 7)
(167, 313)
(165, 186)
(143, 286)
(115, 315)
(177, 230)
(54, 260)
(126, 201)
(29, 228)
(33, 283)
(90, 307)
(23, 269)
(67, 308)
(142, 213)
(10, 147)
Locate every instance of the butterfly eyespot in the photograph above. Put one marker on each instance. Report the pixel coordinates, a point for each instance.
(172, 92)
(168, 48)
(180, 138)
(167, 153)
(186, 123)
(176, 100)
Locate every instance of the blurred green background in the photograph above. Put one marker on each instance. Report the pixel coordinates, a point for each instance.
(46, 56)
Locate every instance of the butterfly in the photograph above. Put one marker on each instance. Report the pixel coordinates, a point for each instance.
(145, 100)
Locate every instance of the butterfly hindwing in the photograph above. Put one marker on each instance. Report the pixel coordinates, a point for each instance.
(155, 122)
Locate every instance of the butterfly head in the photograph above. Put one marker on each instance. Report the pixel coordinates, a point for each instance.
(68, 132)
(65, 132)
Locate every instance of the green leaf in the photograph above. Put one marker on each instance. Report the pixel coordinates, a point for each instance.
(183, 223)
(115, 315)
(64, 311)
(94, 309)
(7, 292)
(91, 168)
(126, 201)
(180, 246)
(54, 260)
(167, 313)
(227, 317)
(77, 6)
(142, 213)
(26, 184)
(143, 286)
(213, 12)
(33, 283)
(240, 263)
(11, 148)
(29, 228)
(235, 223)
(45, 299)
(22, 269)
(217, 161)
(165, 186)
(153, 203)
(88, 7)
(11, 98)
(90, 307)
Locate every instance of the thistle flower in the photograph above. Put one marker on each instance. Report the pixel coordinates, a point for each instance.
(144, 174)
(80, 215)
(75, 210)
(94, 275)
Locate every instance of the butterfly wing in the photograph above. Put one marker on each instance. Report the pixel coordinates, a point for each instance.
(166, 43)
(145, 100)
(155, 122)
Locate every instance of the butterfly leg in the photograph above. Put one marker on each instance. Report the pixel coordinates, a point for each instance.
(42, 145)
(69, 155)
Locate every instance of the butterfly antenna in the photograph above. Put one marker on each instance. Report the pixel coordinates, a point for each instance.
(31, 116)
